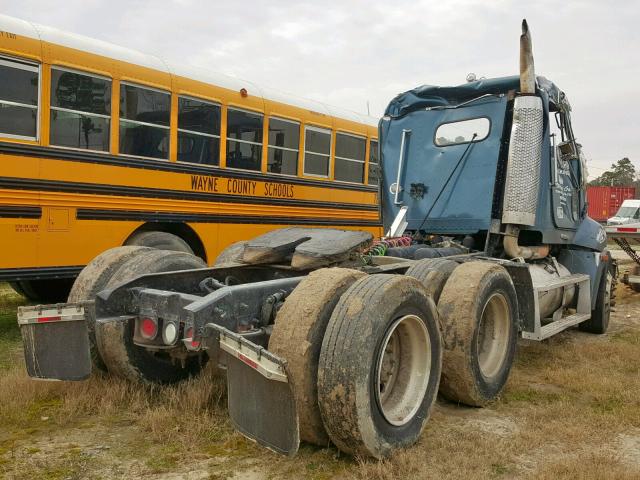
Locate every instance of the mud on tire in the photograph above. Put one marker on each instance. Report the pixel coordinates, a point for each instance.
(231, 254)
(94, 278)
(433, 273)
(297, 337)
(478, 310)
(370, 406)
(115, 340)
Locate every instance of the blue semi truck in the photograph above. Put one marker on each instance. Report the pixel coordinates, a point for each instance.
(331, 336)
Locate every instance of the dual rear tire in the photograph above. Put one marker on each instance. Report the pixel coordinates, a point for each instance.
(364, 354)
(478, 309)
(379, 366)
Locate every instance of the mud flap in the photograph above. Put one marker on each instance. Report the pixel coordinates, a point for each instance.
(260, 393)
(56, 341)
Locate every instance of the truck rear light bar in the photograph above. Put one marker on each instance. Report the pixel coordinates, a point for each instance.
(60, 312)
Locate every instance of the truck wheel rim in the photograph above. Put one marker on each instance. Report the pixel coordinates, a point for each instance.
(403, 369)
(493, 335)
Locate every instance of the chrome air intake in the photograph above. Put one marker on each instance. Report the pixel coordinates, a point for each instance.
(523, 167)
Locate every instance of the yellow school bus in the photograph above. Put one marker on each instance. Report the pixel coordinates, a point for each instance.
(102, 146)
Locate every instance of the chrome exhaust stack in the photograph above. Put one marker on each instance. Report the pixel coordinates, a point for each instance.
(524, 157)
(527, 69)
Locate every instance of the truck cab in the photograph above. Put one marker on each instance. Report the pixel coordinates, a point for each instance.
(444, 155)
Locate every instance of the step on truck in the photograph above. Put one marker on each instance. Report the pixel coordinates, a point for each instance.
(334, 337)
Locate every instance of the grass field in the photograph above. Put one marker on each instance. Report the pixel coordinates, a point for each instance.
(571, 409)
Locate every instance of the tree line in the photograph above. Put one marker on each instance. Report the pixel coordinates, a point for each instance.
(621, 174)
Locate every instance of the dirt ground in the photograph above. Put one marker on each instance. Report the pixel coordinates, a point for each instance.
(571, 409)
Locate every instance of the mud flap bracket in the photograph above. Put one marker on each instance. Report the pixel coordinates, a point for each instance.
(260, 392)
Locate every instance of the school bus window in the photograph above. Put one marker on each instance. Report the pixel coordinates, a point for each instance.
(18, 99)
(80, 110)
(350, 155)
(374, 164)
(144, 121)
(198, 131)
(317, 151)
(284, 144)
(244, 139)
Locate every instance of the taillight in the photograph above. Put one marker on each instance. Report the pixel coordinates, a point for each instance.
(148, 328)
(188, 337)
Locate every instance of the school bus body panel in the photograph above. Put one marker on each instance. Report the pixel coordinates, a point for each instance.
(60, 207)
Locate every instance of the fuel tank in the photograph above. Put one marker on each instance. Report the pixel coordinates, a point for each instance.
(552, 300)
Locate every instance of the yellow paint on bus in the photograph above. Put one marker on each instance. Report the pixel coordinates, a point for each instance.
(61, 206)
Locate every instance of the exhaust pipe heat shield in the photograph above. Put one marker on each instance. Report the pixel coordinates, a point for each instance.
(523, 168)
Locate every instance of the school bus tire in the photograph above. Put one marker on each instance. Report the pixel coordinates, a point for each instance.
(44, 290)
(115, 341)
(18, 289)
(160, 241)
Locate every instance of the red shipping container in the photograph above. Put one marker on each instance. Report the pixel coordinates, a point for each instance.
(604, 202)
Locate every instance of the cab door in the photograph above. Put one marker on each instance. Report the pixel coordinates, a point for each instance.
(566, 176)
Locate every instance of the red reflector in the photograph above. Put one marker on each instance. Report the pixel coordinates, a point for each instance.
(148, 328)
(188, 335)
(49, 319)
(627, 229)
(248, 361)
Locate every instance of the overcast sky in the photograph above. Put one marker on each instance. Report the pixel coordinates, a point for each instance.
(352, 51)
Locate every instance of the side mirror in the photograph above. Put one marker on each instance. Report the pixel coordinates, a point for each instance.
(567, 150)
